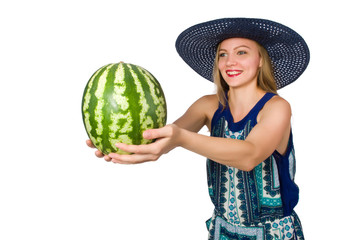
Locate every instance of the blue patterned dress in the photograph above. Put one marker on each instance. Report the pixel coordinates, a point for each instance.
(255, 205)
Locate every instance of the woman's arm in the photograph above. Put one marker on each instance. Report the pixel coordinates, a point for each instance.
(265, 137)
(199, 114)
(273, 126)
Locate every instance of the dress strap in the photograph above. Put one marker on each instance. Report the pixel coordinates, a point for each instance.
(256, 109)
(267, 96)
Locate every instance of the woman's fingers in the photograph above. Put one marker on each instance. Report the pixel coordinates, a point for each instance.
(158, 133)
(149, 152)
(137, 149)
(90, 144)
(107, 158)
(142, 153)
(97, 152)
(133, 159)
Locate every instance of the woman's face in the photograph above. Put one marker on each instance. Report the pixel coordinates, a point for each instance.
(239, 61)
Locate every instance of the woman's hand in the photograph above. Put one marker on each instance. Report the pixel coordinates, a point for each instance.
(167, 138)
(98, 153)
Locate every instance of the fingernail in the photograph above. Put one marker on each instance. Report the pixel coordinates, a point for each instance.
(146, 134)
(118, 145)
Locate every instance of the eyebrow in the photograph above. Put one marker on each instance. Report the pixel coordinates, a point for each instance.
(235, 48)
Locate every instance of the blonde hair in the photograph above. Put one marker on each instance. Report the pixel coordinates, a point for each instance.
(266, 80)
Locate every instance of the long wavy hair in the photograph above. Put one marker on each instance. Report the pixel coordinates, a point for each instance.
(266, 80)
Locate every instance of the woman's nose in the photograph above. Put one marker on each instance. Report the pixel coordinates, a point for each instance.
(230, 61)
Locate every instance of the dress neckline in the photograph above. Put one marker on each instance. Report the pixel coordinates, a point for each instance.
(257, 107)
(250, 116)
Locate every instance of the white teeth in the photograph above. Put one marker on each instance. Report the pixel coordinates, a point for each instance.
(233, 72)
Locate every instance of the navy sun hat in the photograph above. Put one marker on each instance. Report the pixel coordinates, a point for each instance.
(287, 50)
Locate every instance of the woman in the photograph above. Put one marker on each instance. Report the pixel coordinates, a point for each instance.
(251, 163)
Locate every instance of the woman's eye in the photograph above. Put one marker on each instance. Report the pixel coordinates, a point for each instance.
(222, 54)
(241, 52)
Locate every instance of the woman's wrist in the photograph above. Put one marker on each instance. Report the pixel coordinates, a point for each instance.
(180, 136)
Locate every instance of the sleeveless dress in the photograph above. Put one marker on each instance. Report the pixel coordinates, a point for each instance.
(255, 205)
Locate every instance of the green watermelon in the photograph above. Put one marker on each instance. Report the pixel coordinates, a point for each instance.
(120, 102)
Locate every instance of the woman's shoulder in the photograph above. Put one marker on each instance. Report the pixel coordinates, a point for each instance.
(278, 101)
(210, 101)
(276, 106)
(208, 104)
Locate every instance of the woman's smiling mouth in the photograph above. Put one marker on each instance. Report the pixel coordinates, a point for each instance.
(233, 73)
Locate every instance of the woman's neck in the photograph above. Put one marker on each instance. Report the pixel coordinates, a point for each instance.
(242, 100)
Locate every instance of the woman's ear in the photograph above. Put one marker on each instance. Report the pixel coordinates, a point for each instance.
(261, 61)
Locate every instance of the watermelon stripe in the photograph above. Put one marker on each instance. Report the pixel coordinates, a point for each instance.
(146, 120)
(133, 92)
(149, 117)
(101, 102)
(93, 100)
(157, 96)
(119, 117)
(106, 108)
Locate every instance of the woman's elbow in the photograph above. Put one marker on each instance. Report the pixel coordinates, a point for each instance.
(250, 161)
(248, 166)
(245, 164)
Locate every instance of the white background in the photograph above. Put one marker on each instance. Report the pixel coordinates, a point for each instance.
(53, 187)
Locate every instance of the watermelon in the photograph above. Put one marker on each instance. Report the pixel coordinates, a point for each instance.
(120, 102)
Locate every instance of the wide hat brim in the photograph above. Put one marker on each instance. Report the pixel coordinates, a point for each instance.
(287, 50)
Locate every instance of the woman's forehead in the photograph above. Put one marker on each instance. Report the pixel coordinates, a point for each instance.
(236, 42)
